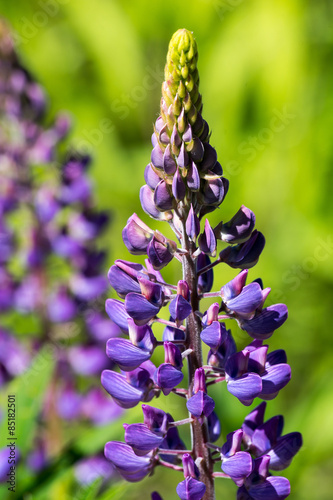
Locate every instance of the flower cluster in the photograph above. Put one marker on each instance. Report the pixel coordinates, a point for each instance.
(50, 265)
(184, 182)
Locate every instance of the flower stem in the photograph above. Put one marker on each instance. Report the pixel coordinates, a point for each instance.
(199, 432)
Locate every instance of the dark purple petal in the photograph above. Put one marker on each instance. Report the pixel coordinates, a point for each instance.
(178, 186)
(232, 444)
(237, 364)
(205, 280)
(207, 240)
(273, 488)
(172, 355)
(191, 489)
(200, 404)
(276, 357)
(214, 427)
(122, 392)
(139, 308)
(257, 359)
(209, 159)
(275, 378)
(193, 177)
(156, 496)
(213, 192)
(141, 439)
(266, 322)
(192, 225)
(244, 255)
(148, 204)
(117, 312)
(190, 469)
(285, 449)
(238, 229)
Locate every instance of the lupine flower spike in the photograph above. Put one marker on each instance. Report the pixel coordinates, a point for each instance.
(184, 183)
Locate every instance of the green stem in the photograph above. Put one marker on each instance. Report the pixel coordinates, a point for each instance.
(199, 432)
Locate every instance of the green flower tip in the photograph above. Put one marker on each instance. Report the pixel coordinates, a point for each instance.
(180, 88)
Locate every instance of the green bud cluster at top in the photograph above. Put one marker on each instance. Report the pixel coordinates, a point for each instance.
(180, 89)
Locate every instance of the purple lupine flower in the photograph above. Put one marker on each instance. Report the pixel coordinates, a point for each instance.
(184, 183)
(259, 484)
(190, 488)
(252, 373)
(54, 271)
(264, 438)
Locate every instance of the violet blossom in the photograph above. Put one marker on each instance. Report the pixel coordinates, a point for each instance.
(184, 183)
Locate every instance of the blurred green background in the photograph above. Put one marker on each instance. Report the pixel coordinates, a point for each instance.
(266, 72)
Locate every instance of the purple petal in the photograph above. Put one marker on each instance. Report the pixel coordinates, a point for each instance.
(257, 359)
(136, 235)
(245, 388)
(163, 199)
(239, 228)
(191, 489)
(180, 308)
(284, 451)
(238, 466)
(167, 377)
(61, 307)
(183, 159)
(205, 280)
(209, 159)
(265, 323)
(213, 192)
(252, 421)
(122, 392)
(117, 312)
(275, 378)
(214, 335)
(200, 404)
(276, 357)
(214, 427)
(247, 301)
(141, 439)
(125, 354)
(274, 488)
(124, 459)
(139, 308)
(232, 444)
(169, 163)
(159, 253)
(234, 287)
(193, 177)
(244, 255)
(157, 156)
(192, 225)
(207, 240)
(178, 186)
(148, 204)
(151, 177)
(122, 282)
